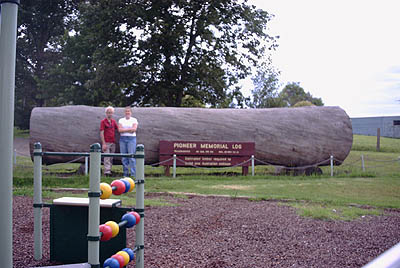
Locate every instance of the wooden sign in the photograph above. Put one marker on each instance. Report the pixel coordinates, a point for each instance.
(206, 153)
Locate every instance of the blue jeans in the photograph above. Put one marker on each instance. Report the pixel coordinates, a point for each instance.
(127, 145)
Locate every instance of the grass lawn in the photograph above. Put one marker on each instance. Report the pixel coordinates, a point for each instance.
(21, 133)
(368, 143)
(349, 194)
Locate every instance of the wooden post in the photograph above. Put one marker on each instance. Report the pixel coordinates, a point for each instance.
(167, 173)
(245, 170)
(378, 140)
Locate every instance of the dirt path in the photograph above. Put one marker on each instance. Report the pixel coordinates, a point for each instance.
(212, 232)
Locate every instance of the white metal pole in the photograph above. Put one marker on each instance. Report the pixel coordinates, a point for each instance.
(331, 165)
(94, 205)
(252, 165)
(174, 167)
(86, 165)
(8, 38)
(362, 163)
(388, 259)
(139, 243)
(37, 201)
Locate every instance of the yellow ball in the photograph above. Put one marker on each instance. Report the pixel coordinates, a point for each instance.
(131, 182)
(125, 255)
(106, 190)
(114, 228)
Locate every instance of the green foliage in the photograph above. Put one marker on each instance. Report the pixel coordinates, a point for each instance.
(190, 101)
(161, 53)
(303, 103)
(21, 133)
(41, 24)
(293, 93)
(266, 86)
(265, 93)
(143, 53)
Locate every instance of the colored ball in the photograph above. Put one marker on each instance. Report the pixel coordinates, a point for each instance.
(119, 187)
(114, 227)
(106, 190)
(107, 232)
(120, 259)
(132, 182)
(131, 220)
(125, 255)
(112, 263)
(130, 253)
(137, 216)
(127, 185)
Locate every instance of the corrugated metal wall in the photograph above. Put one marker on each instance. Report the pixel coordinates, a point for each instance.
(389, 125)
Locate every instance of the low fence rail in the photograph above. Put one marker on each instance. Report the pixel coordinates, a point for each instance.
(332, 162)
(362, 164)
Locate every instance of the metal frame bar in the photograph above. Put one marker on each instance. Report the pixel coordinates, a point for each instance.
(94, 201)
(8, 40)
(388, 259)
(85, 154)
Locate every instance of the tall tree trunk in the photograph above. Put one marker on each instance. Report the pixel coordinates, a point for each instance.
(283, 136)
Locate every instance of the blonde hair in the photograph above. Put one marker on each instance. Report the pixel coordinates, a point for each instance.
(109, 108)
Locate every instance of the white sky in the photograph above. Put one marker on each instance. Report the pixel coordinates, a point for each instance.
(346, 52)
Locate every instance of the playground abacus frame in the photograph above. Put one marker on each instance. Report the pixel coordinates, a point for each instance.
(94, 194)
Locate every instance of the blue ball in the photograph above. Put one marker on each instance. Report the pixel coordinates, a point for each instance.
(127, 185)
(131, 220)
(130, 253)
(111, 263)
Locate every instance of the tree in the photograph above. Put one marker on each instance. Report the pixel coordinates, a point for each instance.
(96, 68)
(303, 103)
(157, 52)
(41, 24)
(266, 86)
(293, 93)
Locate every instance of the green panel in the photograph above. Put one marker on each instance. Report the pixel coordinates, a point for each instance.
(69, 228)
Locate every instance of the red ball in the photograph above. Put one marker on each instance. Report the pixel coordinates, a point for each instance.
(119, 187)
(120, 259)
(137, 216)
(107, 232)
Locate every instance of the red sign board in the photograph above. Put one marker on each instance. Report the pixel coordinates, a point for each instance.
(205, 153)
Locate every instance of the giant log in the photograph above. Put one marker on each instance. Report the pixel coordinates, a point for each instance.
(291, 137)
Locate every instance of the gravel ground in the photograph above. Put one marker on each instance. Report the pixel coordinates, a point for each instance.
(227, 232)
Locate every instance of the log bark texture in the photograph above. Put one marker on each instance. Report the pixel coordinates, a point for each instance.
(290, 137)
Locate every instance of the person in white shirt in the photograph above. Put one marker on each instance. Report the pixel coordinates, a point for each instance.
(127, 127)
